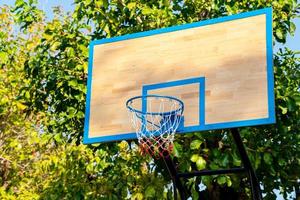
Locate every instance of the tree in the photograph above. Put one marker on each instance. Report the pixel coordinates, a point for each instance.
(43, 86)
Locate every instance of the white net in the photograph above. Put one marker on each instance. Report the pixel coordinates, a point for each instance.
(155, 120)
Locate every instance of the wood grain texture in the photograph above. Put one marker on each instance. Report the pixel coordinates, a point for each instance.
(189, 94)
(230, 55)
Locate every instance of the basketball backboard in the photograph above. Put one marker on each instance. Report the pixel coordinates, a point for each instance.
(220, 68)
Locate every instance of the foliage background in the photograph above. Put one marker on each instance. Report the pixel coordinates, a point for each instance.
(43, 71)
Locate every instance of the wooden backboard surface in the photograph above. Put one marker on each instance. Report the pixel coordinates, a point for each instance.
(221, 69)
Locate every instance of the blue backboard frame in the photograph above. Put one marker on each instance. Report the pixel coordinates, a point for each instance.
(202, 126)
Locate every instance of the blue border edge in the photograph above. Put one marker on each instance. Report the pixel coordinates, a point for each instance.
(270, 76)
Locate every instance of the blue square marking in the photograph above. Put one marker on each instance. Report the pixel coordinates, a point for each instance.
(200, 81)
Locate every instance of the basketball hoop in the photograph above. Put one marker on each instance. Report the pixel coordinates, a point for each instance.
(155, 119)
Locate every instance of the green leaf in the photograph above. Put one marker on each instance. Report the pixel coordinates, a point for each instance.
(106, 29)
(206, 180)
(21, 106)
(138, 196)
(105, 3)
(221, 180)
(216, 152)
(123, 145)
(166, 3)
(131, 5)
(224, 160)
(236, 160)
(281, 162)
(57, 138)
(257, 161)
(296, 97)
(71, 112)
(54, 46)
(268, 158)
(283, 110)
(195, 144)
(79, 67)
(83, 49)
(229, 182)
(98, 4)
(272, 171)
(194, 157)
(27, 95)
(177, 149)
(292, 28)
(146, 11)
(3, 57)
(279, 34)
(70, 51)
(201, 163)
(150, 192)
(19, 3)
(195, 194)
(89, 168)
(213, 166)
(291, 105)
(72, 83)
